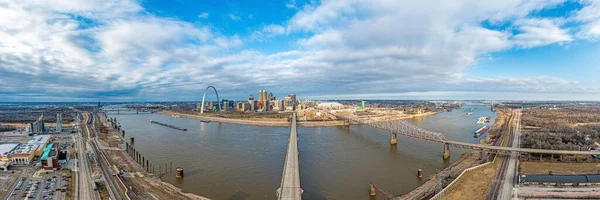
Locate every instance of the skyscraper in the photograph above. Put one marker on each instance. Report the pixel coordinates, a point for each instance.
(251, 102)
(270, 97)
(263, 101)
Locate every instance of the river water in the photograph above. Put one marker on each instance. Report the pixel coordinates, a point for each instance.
(232, 161)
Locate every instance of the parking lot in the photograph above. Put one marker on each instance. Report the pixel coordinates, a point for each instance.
(51, 185)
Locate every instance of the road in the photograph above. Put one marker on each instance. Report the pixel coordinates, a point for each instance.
(290, 180)
(511, 176)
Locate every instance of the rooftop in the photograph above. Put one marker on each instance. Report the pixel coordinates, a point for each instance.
(6, 148)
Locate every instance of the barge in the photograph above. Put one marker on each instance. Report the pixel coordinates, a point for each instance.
(168, 125)
(481, 131)
(483, 120)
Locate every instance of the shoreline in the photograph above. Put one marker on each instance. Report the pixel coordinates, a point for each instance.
(469, 159)
(255, 122)
(277, 123)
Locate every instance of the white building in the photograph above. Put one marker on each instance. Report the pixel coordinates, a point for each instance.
(329, 106)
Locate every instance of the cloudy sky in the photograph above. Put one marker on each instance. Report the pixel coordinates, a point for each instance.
(151, 50)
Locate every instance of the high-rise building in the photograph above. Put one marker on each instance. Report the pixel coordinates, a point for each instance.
(251, 103)
(280, 105)
(59, 122)
(270, 97)
(288, 103)
(294, 101)
(263, 100)
(225, 105)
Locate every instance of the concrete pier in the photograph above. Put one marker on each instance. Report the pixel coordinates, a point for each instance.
(131, 140)
(372, 190)
(446, 151)
(179, 173)
(420, 173)
(393, 139)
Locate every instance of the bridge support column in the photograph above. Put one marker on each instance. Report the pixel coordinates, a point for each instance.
(393, 139)
(446, 151)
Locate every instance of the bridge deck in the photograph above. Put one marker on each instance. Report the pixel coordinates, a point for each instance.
(402, 127)
(515, 149)
(290, 179)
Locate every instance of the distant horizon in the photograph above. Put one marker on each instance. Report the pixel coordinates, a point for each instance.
(472, 100)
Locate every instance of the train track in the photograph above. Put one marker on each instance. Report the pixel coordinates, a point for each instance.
(496, 188)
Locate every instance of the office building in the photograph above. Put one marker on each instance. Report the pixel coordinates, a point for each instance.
(270, 97)
(251, 103)
(263, 101)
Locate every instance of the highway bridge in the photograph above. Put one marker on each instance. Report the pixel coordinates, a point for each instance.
(290, 179)
(403, 127)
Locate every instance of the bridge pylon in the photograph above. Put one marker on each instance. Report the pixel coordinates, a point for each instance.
(446, 151)
(393, 139)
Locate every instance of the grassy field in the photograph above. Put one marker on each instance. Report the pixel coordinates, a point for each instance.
(473, 185)
(559, 168)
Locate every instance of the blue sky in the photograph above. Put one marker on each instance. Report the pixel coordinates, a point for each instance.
(127, 50)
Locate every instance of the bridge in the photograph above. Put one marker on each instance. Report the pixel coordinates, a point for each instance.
(290, 179)
(403, 127)
(128, 111)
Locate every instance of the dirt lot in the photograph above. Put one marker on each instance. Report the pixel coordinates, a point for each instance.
(474, 184)
(559, 168)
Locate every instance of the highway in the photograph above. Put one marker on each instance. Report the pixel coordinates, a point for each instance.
(290, 179)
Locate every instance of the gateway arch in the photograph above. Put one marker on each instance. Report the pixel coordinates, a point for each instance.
(204, 96)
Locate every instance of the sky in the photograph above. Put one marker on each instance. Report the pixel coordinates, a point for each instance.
(154, 50)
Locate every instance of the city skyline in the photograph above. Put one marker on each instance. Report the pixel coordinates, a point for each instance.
(88, 51)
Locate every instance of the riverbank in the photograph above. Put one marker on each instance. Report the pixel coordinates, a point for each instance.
(144, 185)
(284, 122)
(429, 188)
(476, 184)
(467, 160)
(263, 122)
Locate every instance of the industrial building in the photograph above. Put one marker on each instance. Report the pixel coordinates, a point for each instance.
(59, 122)
(37, 126)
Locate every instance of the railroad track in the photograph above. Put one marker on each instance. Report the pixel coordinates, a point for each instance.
(496, 188)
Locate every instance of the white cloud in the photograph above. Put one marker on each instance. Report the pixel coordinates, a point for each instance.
(234, 17)
(539, 32)
(267, 32)
(590, 17)
(348, 47)
(203, 15)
